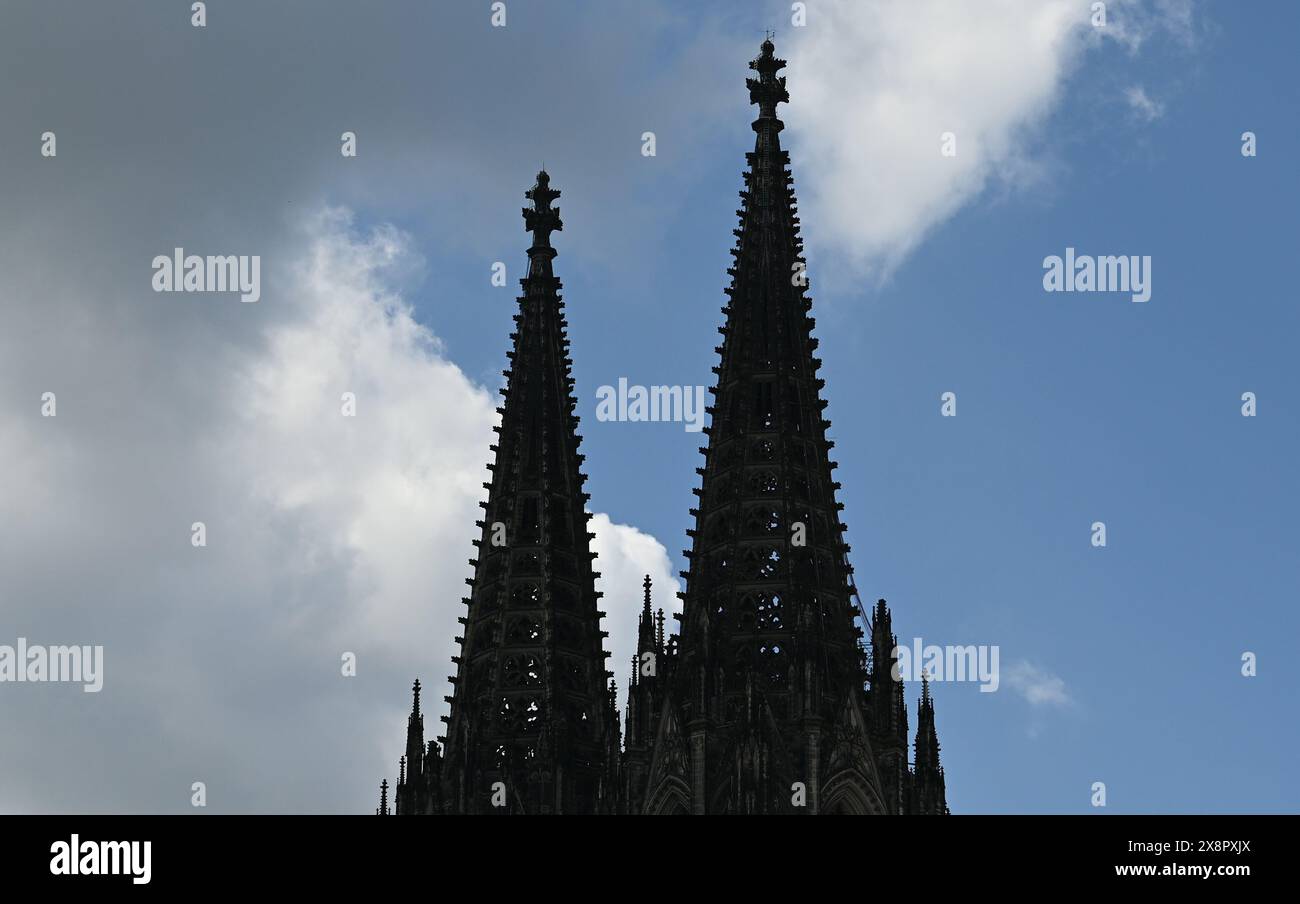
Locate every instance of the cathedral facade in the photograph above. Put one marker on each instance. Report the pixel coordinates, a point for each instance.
(768, 697)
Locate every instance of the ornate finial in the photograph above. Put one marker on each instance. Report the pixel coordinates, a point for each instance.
(767, 90)
(541, 220)
(401, 770)
(383, 798)
(646, 584)
(416, 689)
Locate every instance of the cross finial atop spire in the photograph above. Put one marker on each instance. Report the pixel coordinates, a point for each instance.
(541, 220)
(767, 90)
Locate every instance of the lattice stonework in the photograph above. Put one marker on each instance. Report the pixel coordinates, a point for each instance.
(531, 726)
(767, 700)
(767, 687)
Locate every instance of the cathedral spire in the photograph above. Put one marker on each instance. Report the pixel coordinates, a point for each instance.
(927, 738)
(644, 702)
(415, 733)
(646, 626)
(888, 710)
(529, 707)
(416, 791)
(768, 653)
(929, 796)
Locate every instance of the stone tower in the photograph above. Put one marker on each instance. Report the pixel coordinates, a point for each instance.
(532, 727)
(767, 701)
(768, 698)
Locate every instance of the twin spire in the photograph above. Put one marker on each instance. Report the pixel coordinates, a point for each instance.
(530, 718)
(767, 672)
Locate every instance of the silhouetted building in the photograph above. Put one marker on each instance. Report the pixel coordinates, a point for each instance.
(532, 726)
(766, 700)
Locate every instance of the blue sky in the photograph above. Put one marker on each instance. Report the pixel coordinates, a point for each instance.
(1119, 665)
(1072, 408)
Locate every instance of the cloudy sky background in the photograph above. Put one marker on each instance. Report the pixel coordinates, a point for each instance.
(329, 534)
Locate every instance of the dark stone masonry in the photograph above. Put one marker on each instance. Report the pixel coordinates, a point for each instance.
(768, 698)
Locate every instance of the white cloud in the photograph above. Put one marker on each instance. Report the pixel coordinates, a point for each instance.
(1039, 687)
(1144, 106)
(325, 534)
(875, 84)
(392, 491)
(624, 556)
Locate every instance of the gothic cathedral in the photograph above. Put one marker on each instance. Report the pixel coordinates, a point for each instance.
(767, 698)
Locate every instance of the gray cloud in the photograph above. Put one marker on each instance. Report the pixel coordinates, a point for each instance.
(324, 534)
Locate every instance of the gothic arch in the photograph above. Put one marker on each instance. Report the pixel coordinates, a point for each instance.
(671, 798)
(849, 793)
